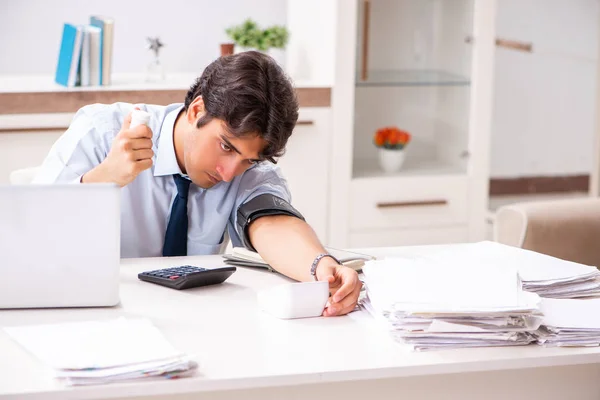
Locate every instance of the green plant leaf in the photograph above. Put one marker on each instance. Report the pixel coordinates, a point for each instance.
(249, 35)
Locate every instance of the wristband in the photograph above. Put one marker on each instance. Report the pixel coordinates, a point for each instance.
(313, 267)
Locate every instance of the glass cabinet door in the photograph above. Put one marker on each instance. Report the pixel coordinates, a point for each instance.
(413, 72)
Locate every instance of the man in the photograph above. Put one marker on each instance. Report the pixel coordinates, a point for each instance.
(202, 168)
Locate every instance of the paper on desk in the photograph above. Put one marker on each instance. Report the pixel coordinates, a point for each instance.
(532, 266)
(441, 284)
(423, 345)
(439, 326)
(569, 322)
(94, 344)
(451, 302)
(571, 313)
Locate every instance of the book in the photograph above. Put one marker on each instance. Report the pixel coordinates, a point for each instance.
(67, 68)
(242, 257)
(84, 60)
(89, 67)
(106, 43)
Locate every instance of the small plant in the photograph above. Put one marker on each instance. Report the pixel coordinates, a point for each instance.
(276, 36)
(391, 138)
(249, 35)
(245, 35)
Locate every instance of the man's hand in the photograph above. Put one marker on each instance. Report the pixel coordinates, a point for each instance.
(130, 154)
(344, 287)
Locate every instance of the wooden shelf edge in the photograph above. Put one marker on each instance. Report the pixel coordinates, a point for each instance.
(67, 102)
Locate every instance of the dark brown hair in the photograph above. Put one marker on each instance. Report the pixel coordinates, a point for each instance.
(253, 95)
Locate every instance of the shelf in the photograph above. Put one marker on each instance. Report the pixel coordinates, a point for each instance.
(120, 82)
(19, 94)
(409, 77)
(369, 168)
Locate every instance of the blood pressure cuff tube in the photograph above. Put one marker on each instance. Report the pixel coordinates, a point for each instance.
(262, 206)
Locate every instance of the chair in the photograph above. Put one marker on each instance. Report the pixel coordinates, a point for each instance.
(23, 176)
(565, 228)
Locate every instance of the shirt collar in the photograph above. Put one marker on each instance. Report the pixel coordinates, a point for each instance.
(166, 161)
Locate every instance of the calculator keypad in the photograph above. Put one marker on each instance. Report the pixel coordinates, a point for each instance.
(187, 276)
(176, 272)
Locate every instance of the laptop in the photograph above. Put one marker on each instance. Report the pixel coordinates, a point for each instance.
(59, 245)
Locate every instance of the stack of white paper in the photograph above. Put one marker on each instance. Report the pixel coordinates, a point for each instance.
(432, 305)
(570, 322)
(84, 353)
(542, 274)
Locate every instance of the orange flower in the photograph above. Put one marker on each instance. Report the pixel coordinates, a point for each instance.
(394, 137)
(404, 137)
(391, 138)
(380, 137)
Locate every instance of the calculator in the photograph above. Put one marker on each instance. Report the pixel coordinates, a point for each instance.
(187, 276)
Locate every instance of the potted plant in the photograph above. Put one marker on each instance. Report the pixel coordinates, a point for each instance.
(246, 36)
(249, 36)
(276, 37)
(391, 143)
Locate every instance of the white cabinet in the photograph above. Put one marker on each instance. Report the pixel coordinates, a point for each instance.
(397, 202)
(426, 67)
(408, 237)
(25, 140)
(24, 149)
(305, 165)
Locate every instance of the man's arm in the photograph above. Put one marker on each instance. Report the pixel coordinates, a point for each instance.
(89, 152)
(130, 154)
(79, 149)
(290, 246)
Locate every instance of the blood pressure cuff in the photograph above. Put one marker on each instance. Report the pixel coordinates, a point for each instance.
(262, 206)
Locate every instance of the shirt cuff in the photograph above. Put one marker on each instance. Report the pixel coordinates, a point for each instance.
(77, 180)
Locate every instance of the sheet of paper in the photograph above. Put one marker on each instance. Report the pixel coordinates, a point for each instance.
(571, 313)
(531, 266)
(450, 284)
(94, 344)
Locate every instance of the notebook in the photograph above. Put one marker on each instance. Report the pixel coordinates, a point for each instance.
(242, 257)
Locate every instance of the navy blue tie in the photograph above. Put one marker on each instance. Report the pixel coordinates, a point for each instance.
(177, 229)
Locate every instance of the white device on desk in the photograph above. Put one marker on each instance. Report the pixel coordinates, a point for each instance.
(295, 300)
(59, 245)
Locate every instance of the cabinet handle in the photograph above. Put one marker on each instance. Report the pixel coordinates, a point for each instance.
(508, 44)
(365, 40)
(514, 45)
(412, 203)
(305, 123)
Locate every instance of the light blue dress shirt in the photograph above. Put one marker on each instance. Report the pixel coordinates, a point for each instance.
(146, 202)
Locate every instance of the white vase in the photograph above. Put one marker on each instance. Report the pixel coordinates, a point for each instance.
(391, 160)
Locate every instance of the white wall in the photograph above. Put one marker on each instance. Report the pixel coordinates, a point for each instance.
(311, 52)
(30, 30)
(544, 113)
(544, 101)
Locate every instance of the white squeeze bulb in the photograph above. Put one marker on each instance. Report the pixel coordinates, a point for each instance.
(139, 117)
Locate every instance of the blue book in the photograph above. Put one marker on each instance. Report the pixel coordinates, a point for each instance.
(68, 58)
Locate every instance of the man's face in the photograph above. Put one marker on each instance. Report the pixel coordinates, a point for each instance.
(211, 154)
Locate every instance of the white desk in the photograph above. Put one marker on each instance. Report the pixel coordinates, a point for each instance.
(244, 353)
